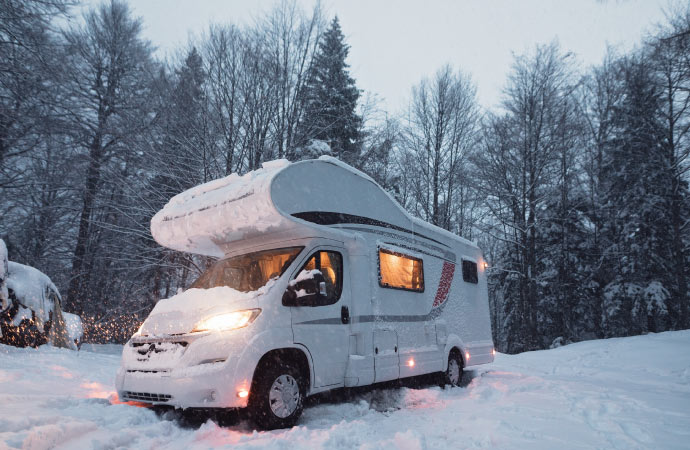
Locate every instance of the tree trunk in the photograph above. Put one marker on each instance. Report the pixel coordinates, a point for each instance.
(79, 280)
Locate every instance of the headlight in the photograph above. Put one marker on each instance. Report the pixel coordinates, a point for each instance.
(228, 321)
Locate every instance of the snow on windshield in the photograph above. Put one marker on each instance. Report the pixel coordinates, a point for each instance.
(248, 272)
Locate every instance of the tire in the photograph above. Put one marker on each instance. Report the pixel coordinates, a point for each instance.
(276, 399)
(453, 374)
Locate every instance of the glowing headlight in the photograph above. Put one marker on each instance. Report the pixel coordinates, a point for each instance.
(228, 321)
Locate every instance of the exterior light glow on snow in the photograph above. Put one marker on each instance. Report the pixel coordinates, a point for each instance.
(493, 352)
(228, 321)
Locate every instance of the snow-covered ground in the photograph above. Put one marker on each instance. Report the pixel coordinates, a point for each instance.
(618, 393)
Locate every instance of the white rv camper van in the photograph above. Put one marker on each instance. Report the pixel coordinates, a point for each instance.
(323, 282)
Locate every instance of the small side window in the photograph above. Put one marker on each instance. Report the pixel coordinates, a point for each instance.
(330, 264)
(469, 271)
(400, 271)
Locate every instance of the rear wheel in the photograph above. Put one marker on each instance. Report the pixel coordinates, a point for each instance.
(277, 396)
(453, 374)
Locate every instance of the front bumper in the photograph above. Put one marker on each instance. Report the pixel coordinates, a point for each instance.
(188, 371)
(210, 387)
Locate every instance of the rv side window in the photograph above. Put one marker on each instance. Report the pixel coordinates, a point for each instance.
(330, 264)
(400, 271)
(469, 271)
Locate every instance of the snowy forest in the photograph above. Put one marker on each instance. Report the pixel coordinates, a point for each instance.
(576, 187)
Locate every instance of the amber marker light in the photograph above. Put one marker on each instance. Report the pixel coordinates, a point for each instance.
(243, 393)
(493, 352)
(411, 362)
(467, 356)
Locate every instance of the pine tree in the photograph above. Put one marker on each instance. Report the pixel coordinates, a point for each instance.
(331, 97)
(637, 237)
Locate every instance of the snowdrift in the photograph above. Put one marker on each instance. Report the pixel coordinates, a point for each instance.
(626, 393)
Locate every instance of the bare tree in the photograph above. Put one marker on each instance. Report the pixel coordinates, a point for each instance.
(106, 74)
(441, 131)
(223, 53)
(28, 51)
(599, 95)
(291, 41)
(669, 56)
(515, 169)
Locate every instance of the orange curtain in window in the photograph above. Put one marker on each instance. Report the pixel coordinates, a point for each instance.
(400, 271)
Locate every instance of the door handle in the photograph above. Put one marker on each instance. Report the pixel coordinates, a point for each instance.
(345, 315)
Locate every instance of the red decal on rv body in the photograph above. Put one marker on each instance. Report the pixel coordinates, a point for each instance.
(444, 285)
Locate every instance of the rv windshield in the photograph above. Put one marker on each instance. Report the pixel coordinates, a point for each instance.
(248, 272)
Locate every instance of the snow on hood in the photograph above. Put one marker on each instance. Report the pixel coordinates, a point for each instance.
(30, 286)
(201, 219)
(180, 313)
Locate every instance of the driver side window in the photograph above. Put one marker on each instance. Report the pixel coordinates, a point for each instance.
(330, 264)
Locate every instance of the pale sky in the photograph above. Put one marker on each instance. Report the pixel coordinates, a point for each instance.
(394, 44)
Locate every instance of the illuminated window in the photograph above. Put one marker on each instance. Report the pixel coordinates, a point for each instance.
(469, 271)
(330, 264)
(398, 271)
(248, 272)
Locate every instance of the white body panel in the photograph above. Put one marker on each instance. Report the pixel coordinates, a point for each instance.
(321, 205)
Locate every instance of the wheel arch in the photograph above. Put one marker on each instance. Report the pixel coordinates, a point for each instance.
(454, 342)
(296, 355)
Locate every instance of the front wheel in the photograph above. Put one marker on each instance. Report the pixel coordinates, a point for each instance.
(277, 396)
(453, 374)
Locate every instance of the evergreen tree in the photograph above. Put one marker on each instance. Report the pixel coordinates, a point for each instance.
(331, 97)
(637, 247)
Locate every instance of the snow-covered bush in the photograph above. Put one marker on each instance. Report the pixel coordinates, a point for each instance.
(313, 150)
(634, 308)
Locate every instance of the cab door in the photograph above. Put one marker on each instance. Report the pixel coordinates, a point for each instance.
(323, 326)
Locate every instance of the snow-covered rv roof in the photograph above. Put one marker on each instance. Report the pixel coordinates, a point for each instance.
(281, 197)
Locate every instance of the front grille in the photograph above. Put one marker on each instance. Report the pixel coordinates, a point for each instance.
(156, 345)
(147, 397)
(145, 350)
(147, 371)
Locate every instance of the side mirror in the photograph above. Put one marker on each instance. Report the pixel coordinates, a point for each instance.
(307, 290)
